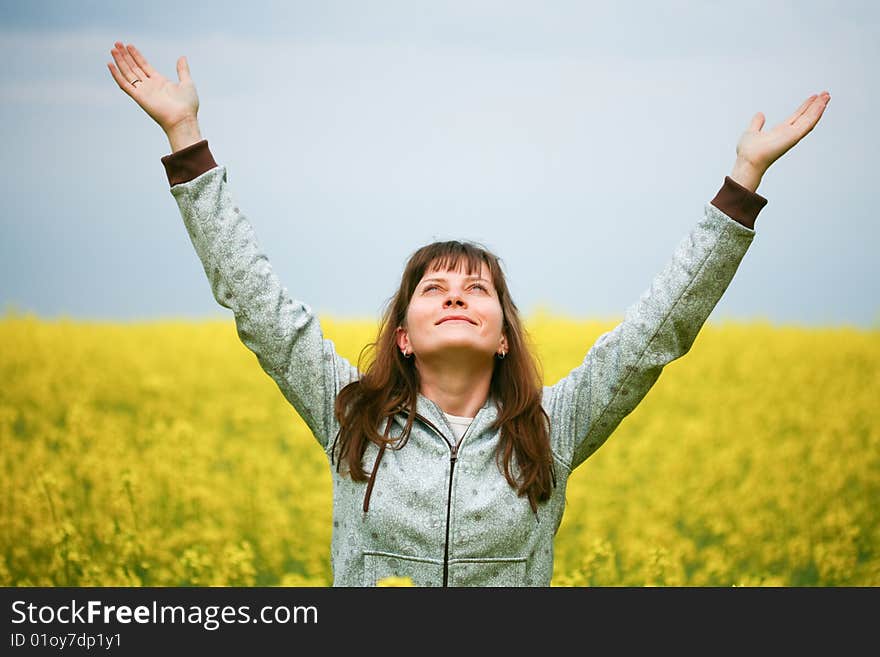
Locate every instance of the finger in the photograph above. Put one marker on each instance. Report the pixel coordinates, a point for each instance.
(141, 61)
(800, 110)
(124, 68)
(183, 69)
(133, 68)
(120, 79)
(757, 122)
(811, 115)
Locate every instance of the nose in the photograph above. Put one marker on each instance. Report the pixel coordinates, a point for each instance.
(453, 299)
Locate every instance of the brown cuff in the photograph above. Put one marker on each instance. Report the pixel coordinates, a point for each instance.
(739, 203)
(188, 163)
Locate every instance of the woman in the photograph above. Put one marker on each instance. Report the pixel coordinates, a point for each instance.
(450, 457)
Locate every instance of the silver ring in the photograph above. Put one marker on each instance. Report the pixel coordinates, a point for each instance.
(133, 81)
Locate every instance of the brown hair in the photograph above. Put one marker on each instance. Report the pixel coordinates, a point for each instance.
(391, 382)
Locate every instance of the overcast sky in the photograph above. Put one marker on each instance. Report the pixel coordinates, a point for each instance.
(579, 141)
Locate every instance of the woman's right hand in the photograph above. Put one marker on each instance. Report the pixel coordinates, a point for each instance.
(168, 103)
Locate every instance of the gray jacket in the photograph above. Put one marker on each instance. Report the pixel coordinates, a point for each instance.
(440, 511)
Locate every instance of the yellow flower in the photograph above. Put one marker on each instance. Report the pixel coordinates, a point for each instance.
(395, 581)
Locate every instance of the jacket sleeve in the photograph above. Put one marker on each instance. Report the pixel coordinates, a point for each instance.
(619, 369)
(283, 333)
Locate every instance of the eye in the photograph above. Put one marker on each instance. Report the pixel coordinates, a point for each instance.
(432, 286)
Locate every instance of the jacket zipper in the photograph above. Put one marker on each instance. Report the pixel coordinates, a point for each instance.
(453, 457)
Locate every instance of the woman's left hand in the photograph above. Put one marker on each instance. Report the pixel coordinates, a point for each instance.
(761, 149)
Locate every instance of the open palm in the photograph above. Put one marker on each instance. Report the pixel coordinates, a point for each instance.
(762, 149)
(167, 102)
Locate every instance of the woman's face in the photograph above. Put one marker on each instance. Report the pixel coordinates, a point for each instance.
(440, 295)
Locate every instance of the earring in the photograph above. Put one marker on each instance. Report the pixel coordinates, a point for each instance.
(405, 353)
(501, 355)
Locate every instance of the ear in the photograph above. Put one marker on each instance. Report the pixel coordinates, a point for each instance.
(402, 338)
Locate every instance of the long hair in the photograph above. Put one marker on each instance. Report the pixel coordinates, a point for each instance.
(391, 382)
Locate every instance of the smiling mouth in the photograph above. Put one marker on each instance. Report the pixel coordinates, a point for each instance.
(447, 321)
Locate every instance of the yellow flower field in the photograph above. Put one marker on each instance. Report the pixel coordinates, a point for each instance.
(160, 454)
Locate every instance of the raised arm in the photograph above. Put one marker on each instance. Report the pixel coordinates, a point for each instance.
(283, 333)
(623, 364)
